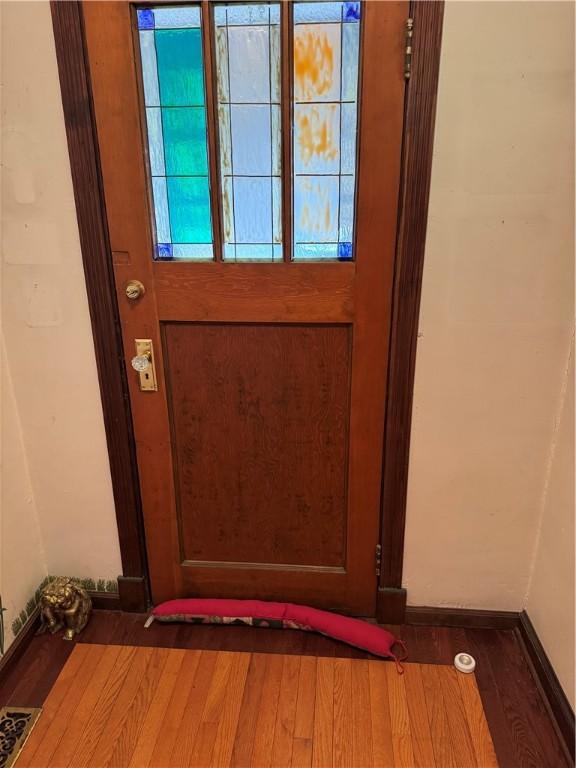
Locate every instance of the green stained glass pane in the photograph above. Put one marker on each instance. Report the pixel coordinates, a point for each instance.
(189, 203)
(185, 141)
(180, 67)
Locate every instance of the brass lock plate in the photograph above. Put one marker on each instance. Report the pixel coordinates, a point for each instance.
(147, 376)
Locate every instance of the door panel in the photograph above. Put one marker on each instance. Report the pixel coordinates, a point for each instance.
(260, 423)
(260, 454)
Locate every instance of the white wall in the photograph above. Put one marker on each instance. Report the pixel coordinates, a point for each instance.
(497, 306)
(45, 313)
(22, 556)
(550, 599)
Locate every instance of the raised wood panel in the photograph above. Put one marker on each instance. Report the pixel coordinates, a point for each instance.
(282, 292)
(260, 432)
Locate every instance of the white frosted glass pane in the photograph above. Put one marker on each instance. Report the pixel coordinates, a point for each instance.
(277, 209)
(248, 49)
(315, 252)
(149, 71)
(251, 150)
(222, 83)
(253, 210)
(348, 144)
(275, 64)
(315, 209)
(179, 17)
(254, 252)
(229, 252)
(225, 138)
(276, 140)
(161, 210)
(304, 12)
(155, 145)
(350, 50)
(317, 62)
(316, 138)
(228, 209)
(346, 208)
(277, 254)
(248, 14)
(197, 251)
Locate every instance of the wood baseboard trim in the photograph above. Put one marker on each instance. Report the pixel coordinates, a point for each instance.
(559, 706)
(133, 594)
(21, 642)
(467, 618)
(105, 601)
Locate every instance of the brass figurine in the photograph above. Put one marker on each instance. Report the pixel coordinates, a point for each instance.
(64, 604)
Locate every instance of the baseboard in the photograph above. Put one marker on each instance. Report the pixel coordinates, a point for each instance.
(468, 618)
(20, 643)
(105, 601)
(559, 705)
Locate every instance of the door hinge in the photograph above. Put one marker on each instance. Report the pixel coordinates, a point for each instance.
(408, 49)
(378, 558)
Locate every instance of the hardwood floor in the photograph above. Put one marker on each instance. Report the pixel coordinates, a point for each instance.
(521, 728)
(134, 707)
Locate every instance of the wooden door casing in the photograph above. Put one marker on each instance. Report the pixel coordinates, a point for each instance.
(356, 294)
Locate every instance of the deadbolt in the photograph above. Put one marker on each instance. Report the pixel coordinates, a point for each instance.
(135, 290)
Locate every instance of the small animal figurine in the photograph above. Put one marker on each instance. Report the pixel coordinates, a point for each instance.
(64, 603)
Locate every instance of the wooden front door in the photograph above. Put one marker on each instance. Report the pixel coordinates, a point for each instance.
(250, 159)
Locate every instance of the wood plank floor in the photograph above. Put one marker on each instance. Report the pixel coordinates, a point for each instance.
(132, 706)
(522, 729)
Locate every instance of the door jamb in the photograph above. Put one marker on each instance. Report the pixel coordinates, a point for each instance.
(420, 107)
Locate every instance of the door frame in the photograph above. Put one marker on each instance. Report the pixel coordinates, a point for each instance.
(416, 164)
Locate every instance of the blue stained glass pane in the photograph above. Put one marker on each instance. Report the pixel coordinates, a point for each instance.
(351, 12)
(185, 141)
(255, 252)
(344, 251)
(348, 139)
(350, 58)
(183, 16)
(164, 251)
(346, 223)
(251, 139)
(315, 251)
(189, 201)
(145, 18)
(155, 141)
(248, 14)
(149, 69)
(196, 251)
(161, 215)
(180, 67)
(253, 209)
(317, 12)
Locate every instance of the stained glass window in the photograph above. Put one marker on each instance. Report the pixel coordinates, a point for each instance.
(247, 39)
(175, 103)
(326, 58)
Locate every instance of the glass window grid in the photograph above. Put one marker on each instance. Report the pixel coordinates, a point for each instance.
(334, 250)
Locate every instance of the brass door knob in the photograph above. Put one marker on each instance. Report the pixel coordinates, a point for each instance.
(135, 290)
